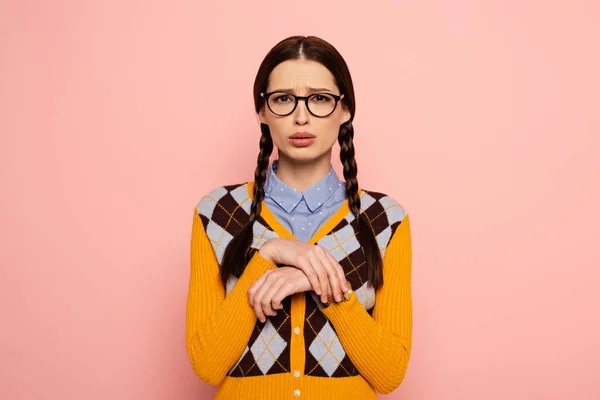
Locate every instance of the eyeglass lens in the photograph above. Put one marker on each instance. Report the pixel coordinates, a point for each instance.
(319, 104)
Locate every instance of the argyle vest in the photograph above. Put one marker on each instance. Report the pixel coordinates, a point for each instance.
(224, 212)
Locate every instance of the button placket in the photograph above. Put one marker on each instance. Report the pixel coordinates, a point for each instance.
(297, 348)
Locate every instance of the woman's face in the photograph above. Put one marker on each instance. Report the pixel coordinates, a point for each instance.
(301, 77)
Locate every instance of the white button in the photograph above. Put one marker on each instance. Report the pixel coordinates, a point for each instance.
(309, 223)
(319, 213)
(297, 393)
(319, 203)
(302, 228)
(292, 218)
(318, 188)
(296, 373)
(297, 330)
(282, 189)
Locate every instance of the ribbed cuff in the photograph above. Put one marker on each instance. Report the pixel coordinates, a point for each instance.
(257, 266)
(338, 311)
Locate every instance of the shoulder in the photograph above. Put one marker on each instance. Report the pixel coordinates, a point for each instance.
(376, 204)
(384, 212)
(385, 215)
(226, 198)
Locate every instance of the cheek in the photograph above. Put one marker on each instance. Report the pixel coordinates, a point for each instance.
(279, 131)
(330, 131)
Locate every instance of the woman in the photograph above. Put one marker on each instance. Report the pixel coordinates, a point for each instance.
(300, 282)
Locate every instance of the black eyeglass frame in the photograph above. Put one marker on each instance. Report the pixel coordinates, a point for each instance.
(336, 97)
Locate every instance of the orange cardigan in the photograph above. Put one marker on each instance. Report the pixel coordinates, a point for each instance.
(374, 343)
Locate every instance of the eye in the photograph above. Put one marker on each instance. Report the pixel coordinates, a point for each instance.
(321, 98)
(282, 98)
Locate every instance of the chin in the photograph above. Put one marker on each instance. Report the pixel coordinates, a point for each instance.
(303, 155)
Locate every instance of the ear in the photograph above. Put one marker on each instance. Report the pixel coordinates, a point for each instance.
(260, 117)
(345, 116)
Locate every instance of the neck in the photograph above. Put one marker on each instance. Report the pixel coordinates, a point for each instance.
(301, 175)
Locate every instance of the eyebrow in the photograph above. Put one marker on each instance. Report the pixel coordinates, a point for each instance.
(312, 90)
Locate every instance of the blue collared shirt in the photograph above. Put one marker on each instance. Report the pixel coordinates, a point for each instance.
(303, 213)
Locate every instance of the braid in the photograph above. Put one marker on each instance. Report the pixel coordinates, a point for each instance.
(232, 263)
(260, 174)
(366, 235)
(345, 139)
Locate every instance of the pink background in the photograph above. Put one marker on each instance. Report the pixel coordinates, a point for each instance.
(481, 118)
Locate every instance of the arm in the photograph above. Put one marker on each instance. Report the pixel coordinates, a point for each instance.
(379, 346)
(218, 327)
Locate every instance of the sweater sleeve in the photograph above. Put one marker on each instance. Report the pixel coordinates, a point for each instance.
(380, 346)
(218, 327)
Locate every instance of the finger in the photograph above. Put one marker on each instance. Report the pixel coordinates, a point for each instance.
(255, 286)
(305, 266)
(334, 278)
(276, 303)
(267, 299)
(321, 273)
(339, 271)
(286, 289)
(334, 299)
(258, 288)
(258, 297)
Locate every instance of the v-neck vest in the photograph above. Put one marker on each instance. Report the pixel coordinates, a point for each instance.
(300, 334)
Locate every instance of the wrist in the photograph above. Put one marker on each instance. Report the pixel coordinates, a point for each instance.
(266, 250)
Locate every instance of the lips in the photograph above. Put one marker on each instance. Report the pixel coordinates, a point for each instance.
(302, 135)
(302, 139)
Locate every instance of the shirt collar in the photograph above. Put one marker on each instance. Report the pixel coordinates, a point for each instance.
(288, 198)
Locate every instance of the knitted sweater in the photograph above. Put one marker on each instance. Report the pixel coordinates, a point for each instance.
(348, 350)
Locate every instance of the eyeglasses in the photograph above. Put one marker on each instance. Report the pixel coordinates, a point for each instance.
(318, 104)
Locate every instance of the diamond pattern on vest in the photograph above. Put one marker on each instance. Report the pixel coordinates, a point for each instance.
(385, 215)
(225, 211)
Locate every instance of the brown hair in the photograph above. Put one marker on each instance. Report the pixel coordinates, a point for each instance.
(314, 49)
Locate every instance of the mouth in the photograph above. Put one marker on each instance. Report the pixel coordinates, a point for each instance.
(302, 135)
(302, 139)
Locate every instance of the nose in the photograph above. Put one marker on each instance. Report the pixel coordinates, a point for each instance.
(301, 113)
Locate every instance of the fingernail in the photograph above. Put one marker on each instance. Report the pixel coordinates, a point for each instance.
(338, 297)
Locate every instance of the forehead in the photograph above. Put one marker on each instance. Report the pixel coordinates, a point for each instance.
(299, 74)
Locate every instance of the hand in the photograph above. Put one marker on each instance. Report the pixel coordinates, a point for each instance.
(267, 293)
(325, 274)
